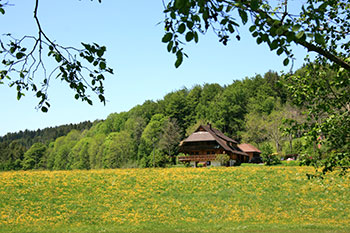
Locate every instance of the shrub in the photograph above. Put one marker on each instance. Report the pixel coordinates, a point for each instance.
(223, 159)
(268, 157)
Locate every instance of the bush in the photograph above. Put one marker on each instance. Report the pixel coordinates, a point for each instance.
(223, 159)
(291, 163)
(268, 157)
(306, 160)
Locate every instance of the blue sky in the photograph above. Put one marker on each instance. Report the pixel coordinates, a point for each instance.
(143, 68)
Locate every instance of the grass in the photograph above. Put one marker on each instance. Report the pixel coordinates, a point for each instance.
(240, 199)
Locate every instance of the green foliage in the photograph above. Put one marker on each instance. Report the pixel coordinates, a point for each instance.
(267, 155)
(207, 99)
(151, 136)
(11, 155)
(291, 163)
(318, 26)
(175, 106)
(223, 159)
(128, 139)
(230, 108)
(272, 24)
(170, 138)
(307, 160)
(325, 94)
(22, 65)
(80, 154)
(255, 130)
(60, 157)
(118, 150)
(33, 158)
(158, 159)
(28, 137)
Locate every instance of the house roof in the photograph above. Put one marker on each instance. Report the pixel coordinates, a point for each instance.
(208, 133)
(218, 133)
(248, 148)
(200, 136)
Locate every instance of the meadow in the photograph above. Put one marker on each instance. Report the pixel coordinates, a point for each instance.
(235, 199)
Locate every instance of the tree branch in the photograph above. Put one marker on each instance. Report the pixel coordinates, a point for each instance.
(325, 53)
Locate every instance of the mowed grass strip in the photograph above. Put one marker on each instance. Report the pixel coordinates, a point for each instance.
(244, 199)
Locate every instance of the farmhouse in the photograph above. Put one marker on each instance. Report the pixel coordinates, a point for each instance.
(203, 146)
(251, 150)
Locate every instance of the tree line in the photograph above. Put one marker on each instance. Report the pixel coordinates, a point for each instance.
(249, 110)
(280, 114)
(14, 145)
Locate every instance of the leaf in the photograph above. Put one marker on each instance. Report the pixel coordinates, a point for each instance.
(101, 97)
(179, 3)
(296, 28)
(179, 59)
(230, 28)
(286, 61)
(300, 34)
(190, 24)
(100, 52)
(196, 37)
(254, 4)
(178, 62)
(189, 36)
(258, 40)
(44, 109)
(170, 46)
(58, 57)
(38, 94)
(181, 28)
(280, 30)
(86, 46)
(243, 16)
(19, 55)
(2, 11)
(252, 28)
(13, 49)
(319, 39)
(90, 58)
(279, 51)
(167, 37)
(274, 45)
(102, 65)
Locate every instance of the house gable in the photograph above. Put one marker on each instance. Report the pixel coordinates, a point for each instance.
(206, 142)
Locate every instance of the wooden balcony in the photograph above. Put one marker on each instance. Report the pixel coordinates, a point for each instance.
(198, 158)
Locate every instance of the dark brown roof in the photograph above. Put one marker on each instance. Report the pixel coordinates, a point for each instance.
(248, 148)
(211, 134)
(218, 133)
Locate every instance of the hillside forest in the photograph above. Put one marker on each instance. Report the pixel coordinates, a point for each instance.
(262, 110)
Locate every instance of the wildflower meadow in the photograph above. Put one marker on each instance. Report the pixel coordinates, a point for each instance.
(241, 199)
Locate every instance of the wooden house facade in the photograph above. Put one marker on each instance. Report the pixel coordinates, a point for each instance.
(251, 150)
(206, 143)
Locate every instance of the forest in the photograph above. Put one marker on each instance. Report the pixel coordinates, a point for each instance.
(262, 110)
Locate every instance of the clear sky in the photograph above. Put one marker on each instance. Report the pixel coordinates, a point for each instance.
(143, 68)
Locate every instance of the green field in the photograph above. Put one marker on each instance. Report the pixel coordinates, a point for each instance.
(240, 199)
